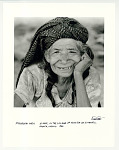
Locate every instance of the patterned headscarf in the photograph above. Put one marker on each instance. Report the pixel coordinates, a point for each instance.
(46, 35)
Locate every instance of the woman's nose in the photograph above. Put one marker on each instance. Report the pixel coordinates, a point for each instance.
(64, 57)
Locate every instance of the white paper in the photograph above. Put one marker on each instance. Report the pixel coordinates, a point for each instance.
(21, 126)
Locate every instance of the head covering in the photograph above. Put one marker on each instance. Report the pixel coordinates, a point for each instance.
(62, 27)
(46, 35)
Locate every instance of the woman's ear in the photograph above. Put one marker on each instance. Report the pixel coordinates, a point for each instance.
(47, 56)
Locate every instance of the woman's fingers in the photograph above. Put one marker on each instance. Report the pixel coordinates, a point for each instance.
(87, 59)
(85, 63)
(85, 55)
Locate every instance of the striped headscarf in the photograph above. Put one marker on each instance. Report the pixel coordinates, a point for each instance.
(46, 35)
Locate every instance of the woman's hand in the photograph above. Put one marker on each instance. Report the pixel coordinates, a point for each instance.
(83, 64)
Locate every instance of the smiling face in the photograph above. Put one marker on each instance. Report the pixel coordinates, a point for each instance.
(63, 55)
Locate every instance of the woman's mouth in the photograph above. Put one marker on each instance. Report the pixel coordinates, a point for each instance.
(64, 68)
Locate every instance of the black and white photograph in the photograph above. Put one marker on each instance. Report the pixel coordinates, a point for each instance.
(59, 62)
(58, 55)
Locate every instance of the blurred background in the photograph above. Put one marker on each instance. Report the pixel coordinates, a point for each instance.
(25, 28)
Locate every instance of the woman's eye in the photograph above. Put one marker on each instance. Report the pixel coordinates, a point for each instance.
(56, 52)
(74, 52)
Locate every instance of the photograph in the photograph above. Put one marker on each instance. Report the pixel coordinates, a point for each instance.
(59, 62)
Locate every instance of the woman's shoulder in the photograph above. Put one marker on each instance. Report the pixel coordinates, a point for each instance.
(34, 70)
(30, 83)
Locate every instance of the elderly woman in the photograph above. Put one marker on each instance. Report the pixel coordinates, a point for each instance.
(57, 70)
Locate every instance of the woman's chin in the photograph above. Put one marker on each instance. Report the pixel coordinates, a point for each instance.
(65, 75)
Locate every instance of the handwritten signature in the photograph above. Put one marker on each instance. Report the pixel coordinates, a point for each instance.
(97, 118)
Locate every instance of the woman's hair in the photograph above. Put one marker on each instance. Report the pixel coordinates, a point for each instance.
(45, 36)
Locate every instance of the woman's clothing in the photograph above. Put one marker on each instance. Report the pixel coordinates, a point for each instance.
(32, 83)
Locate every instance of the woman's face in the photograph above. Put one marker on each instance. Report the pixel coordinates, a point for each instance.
(63, 55)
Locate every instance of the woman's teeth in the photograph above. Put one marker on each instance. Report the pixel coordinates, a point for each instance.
(63, 68)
